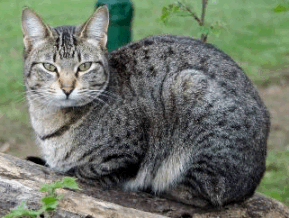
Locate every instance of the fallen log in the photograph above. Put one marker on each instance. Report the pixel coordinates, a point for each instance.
(20, 180)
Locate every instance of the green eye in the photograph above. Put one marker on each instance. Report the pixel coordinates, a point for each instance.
(84, 66)
(49, 67)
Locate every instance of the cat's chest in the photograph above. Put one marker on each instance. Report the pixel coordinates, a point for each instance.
(54, 150)
(63, 148)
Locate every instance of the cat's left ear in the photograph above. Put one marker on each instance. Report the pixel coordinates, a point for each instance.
(95, 28)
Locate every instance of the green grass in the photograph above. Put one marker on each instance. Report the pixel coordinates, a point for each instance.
(275, 182)
(254, 36)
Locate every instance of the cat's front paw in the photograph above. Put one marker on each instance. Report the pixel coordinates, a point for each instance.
(93, 174)
(187, 196)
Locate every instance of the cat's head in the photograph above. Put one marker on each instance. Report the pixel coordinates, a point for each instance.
(65, 66)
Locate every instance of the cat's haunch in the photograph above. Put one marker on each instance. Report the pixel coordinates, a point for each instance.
(167, 114)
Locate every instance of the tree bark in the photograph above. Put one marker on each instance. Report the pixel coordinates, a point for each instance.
(20, 180)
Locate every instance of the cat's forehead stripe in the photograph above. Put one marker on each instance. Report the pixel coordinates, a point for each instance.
(66, 42)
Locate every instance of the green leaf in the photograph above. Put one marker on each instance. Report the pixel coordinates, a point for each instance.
(49, 203)
(216, 32)
(276, 196)
(59, 197)
(173, 7)
(168, 11)
(58, 184)
(47, 188)
(165, 15)
(22, 211)
(204, 29)
(44, 188)
(69, 182)
(182, 13)
(165, 10)
(281, 8)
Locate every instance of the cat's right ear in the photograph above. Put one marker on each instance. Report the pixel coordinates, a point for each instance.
(33, 28)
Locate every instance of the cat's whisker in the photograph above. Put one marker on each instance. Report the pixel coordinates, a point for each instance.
(38, 98)
(19, 83)
(21, 100)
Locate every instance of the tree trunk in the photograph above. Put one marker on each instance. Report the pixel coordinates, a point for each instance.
(20, 181)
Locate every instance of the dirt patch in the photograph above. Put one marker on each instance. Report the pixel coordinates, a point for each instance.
(276, 99)
(17, 138)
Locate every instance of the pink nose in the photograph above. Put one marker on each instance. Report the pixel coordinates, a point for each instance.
(67, 90)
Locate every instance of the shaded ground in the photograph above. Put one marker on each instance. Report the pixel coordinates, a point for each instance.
(17, 138)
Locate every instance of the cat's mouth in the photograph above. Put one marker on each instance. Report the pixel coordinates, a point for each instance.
(71, 99)
(68, 103)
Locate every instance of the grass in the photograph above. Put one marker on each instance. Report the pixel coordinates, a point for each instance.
(275, 182)
(253, 35)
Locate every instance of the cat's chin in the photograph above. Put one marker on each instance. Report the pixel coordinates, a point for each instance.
(69, 104)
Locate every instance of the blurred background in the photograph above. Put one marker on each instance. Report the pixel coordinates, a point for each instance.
(253, 33)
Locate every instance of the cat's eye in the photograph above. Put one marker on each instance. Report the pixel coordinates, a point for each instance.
(49, 67)
(85, 66)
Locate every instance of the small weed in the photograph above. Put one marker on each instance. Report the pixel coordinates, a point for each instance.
(48, 203)
(282, 7)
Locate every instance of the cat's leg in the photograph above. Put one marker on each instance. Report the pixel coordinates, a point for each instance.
(214, 179)
(108, 173)
(224, 139)
(118, 146)
(185, 194)
(170, 181)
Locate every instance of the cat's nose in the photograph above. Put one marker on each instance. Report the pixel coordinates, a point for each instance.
(67, 83)
(67, 90)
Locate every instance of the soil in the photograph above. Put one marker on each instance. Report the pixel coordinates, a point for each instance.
(276, 99)
(17, 138)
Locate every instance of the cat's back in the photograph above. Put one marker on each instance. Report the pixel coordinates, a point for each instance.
(183, 52)
(148, 64)
(181, 78)
(198, 104)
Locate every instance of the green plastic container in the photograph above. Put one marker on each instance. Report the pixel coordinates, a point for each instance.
(120, 19)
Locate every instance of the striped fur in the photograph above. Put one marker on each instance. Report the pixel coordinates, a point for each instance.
(170, 115)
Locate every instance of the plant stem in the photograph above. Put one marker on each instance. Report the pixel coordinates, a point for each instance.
(204, 5)
(191, 12)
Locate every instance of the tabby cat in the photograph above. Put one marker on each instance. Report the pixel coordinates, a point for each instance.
(169, 115)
